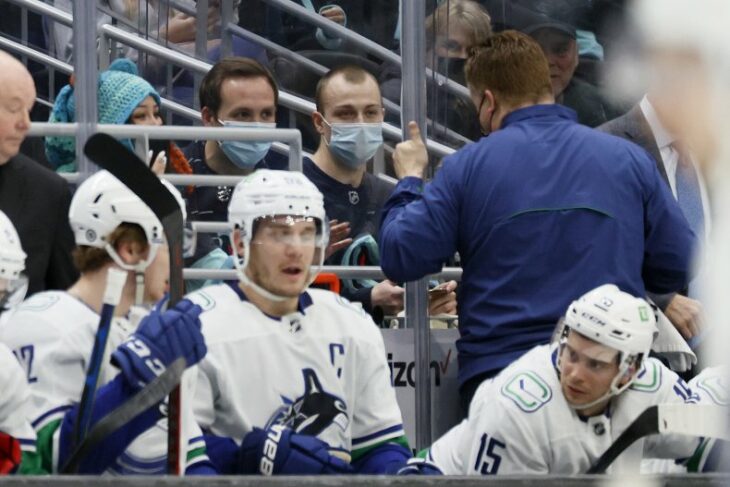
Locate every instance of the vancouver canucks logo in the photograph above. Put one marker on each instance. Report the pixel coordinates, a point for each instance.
(314, 411)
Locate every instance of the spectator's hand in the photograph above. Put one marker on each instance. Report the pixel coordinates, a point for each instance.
(180, 28)
(158, 167)
(214, 16)
(388, 296)
(442, 299)
(686, 315)
(410, 157)
(333, 13)
(339, 237)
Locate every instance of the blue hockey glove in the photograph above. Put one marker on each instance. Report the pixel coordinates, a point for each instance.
(279, 451)
(419, 466)
(160, 339)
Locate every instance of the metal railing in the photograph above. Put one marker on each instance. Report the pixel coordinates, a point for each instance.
(343, 272)
(143, 132)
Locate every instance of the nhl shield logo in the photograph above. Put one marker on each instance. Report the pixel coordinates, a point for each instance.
(224, 193)
(354, 197)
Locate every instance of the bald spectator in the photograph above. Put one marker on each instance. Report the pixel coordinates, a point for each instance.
(34, 198)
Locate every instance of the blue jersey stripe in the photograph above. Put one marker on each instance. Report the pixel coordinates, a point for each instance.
(363, 439)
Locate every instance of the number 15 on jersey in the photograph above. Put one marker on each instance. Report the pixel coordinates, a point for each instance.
(488, 457)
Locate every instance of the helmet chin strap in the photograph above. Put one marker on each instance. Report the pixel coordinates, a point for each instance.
(138, 270)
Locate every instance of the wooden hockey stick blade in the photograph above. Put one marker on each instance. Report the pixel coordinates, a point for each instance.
(110, 154)
(681, 419)
(151, 395)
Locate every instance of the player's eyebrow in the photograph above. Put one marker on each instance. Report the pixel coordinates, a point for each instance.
(587, 357)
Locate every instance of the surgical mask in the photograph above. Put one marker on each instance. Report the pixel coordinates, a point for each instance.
(245, 154)
(354, 144)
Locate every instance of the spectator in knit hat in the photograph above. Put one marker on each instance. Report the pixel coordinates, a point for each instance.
(123, 97)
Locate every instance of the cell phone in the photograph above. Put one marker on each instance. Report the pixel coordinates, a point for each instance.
(157, 146)
(437, 292)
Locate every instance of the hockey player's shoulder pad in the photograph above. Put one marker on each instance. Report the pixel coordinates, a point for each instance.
(715, 388)
(527, 390)
(205, 298)
(336, 302)
(650, 377)
(41, 301)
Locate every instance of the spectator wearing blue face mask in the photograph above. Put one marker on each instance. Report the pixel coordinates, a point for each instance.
(236, 92)
(349, 119)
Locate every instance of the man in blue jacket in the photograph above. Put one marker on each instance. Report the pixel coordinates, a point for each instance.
(541, 211)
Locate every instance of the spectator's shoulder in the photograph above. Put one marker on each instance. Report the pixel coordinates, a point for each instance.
(37, 174)
(194, 152)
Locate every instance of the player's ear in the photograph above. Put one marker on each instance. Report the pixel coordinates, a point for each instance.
(131, 251)
(238, 242)
(208, 117)
(318, 121)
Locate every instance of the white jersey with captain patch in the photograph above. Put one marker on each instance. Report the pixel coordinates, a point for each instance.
(52, 334)
(321, 371)
(520, 423)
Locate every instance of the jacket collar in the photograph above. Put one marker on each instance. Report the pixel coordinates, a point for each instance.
(534, 111)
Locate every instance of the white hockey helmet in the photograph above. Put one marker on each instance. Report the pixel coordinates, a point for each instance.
(13, 284)
(102, 203)
(266, 193)
(617, 320)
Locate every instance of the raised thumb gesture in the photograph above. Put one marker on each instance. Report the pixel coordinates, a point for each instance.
(410, 157)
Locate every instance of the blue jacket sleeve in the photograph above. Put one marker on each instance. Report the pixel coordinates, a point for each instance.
(113, 394)
(419, 226)
(669, 242)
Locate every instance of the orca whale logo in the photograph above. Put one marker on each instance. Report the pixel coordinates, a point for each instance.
(314, 411)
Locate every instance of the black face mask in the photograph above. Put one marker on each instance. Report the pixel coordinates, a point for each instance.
(453, 67)
(485, 132)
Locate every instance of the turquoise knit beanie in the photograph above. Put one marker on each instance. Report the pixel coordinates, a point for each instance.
(120, 91)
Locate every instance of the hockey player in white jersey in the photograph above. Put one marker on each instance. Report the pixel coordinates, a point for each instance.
(559, 407)
(17, 437)
(295, 380)
(13, 284)
(52, 334)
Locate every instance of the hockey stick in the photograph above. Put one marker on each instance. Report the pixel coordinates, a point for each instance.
(115, 280)
(682, 419)
(111, 155)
